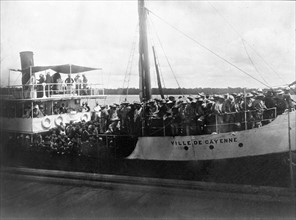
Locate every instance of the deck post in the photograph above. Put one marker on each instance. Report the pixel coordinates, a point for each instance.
(44, 92)
(290, 152)
(246, 122)
(216, 120)
(32, 111)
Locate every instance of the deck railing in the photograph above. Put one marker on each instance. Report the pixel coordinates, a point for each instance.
(209, 124)
(47, 90)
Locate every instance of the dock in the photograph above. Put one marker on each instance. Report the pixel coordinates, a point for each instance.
(39, 194)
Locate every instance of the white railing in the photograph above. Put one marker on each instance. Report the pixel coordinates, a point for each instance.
(47, 90)
(214, 123)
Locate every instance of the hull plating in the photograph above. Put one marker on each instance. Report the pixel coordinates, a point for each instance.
(269, 139)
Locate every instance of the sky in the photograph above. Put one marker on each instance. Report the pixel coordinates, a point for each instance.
(248, 43)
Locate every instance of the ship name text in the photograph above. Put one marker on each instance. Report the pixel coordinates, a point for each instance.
(206, 141)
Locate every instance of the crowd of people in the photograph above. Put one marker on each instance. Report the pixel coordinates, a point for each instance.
(191, 115)
(195, 115)
(71, 139)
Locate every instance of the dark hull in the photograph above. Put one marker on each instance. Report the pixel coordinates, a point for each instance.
(265, 170)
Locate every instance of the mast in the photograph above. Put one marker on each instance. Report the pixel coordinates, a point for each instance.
(144, 71)
(158, 77)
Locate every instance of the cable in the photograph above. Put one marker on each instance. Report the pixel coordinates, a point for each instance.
(179, 87)
(204, 47)
(253, 62)
(150, 24)
(232, 27)
(129, 67)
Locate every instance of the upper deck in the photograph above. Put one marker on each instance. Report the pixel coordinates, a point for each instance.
(52, 91)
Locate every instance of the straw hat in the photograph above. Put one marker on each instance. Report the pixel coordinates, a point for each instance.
(249, 95)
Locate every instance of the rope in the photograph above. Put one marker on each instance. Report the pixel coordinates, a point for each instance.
(159, 69)
(152, 43)
(209, 50)
(129, 66)
(179, 87)
(253, 62)
(232, 27)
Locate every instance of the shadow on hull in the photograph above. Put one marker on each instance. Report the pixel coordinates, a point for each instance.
(264, 170)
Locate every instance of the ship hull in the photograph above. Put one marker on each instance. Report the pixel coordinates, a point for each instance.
(265, 170)
(269, 139)
(262, 159)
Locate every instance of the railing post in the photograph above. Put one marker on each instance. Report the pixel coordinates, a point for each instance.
(163, 126)
(246, 125)
(44, 93)
(143, 126)
(290, 152)
(48, 90)
(216, 119)
(23, 95)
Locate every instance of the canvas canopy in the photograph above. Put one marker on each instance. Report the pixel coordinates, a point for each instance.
(66, 69)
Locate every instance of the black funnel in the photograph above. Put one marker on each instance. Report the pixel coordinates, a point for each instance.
(26, 61)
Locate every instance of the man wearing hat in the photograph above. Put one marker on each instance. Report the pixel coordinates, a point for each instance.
(41, 107)
(36, 112)
(200, 115)
(162, 109)
(40, 86)
(113, 118)
(190, 117)
(172, 98)
(152, 108)
(97, 112)
(281, 104)
(122, 114)
(48, 82)
(104, 119)
(270, 103)
(78, 83)
(69, 82)
(175, 121)
(287, 97)
(138, 118)
(259, 107)
(247, 105)
(218, 111)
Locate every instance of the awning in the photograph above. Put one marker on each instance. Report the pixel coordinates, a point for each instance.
(66, 68)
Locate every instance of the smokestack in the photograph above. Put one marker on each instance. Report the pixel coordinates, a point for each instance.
(26, 61)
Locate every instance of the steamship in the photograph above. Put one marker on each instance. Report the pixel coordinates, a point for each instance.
(263, 153)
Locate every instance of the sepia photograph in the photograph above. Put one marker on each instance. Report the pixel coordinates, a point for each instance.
(147, 109)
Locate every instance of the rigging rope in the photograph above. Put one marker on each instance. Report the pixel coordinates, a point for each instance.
(179, 87)
(158, 63)
(129, 66)
(152, 43)
(204, 47)
(253, 62)
(150, 24)
(232, 27)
